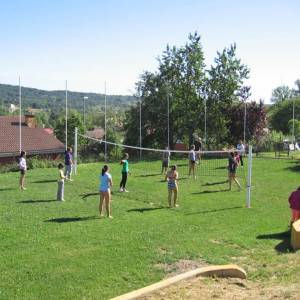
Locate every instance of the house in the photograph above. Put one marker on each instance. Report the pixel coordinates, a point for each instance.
(34, 140)
(97, 133)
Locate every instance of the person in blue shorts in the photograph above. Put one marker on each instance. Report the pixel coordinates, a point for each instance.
(105, 192)
(171, 178)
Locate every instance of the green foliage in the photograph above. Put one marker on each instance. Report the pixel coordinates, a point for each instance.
(296, 124)
(280, 115)
(281, 93)
(182, 79)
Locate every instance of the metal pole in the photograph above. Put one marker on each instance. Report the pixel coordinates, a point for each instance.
(168, 97)
(248, 196)
(205, 131)
(75, 150)
(293, 122)
(245, 114)
(20, 116)
(140, 129)
(66, 118)
(105, 145)
(84, 98)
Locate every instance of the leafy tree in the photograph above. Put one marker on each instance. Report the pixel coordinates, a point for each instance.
(74, 120)
(281, 93)
(296, 127)
(282, 113)
(224, 86)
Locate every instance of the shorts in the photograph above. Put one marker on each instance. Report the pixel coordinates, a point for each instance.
(172, 185)
(22, 172)
(165, 164)
(192, 162)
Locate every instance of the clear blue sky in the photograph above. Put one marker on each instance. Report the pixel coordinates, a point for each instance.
(89, 42)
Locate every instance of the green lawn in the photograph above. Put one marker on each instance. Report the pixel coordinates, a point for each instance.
(52, 250)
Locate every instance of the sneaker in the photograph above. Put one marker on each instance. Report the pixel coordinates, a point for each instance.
(23, 188)
(121, 190)
(125, 191)
(63, 200)
(71, 180)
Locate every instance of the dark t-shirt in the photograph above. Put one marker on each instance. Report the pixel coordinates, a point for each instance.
(68, 158)
(294, 200)
(232, 165)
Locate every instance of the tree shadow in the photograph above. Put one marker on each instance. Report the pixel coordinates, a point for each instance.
(45, 181)
(72, 219)
(36, 201)
(284, 246)
(209, 192)
(295, 168)
(214, 210)
(214, 183)
(142, 210)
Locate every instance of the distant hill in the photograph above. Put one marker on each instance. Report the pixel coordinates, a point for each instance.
(55, 100)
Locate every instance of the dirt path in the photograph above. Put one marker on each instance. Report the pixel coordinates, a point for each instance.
(231, 288)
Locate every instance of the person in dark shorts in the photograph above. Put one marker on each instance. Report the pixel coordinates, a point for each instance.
(23, 169)
(165, 161)
(232, 166)
(68, 164)
(192, 161)
(125, 171)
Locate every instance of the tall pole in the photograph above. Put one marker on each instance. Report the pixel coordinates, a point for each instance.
(140, 129)
(168, 98)
(66, 117)
(20, 116)
(105, 145)
(293, 122)
(245, 118)
(84, 98)
(248, 192)
(205, 131)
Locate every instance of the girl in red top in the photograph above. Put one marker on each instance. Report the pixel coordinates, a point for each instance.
(294, 201)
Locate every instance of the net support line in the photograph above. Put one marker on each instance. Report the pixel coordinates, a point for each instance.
(153, 149)
(248, 195)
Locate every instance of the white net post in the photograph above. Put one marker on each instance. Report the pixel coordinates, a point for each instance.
(248, 196)
(75, 150)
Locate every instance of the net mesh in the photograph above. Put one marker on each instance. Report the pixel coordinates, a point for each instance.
(146, 162)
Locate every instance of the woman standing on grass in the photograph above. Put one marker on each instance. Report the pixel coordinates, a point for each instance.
(23, 169)
(232, 166)
(125, 171)
(294, 201)
(171, 178)
(105, 193)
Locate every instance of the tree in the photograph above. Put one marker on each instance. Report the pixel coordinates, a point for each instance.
(224, 86)
(281, 93)
(74, 120)
(296, 124)
(282, 113)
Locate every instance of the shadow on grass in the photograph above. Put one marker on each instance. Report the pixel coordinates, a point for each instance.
(6, 189)
(45, 181)
(214, 210)
(209, 192)
(284, 246)
(214, 183)
(150, 175)
(86, 195)
(221, 168)
(141, 210)
(36, 201)
(72, 219)
(294, 168)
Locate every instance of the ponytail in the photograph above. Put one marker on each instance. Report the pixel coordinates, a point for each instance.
(104, 169)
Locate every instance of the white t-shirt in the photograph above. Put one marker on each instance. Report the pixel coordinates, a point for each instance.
(22, 164)
(241, 148)
(192, 155)
(105, 182)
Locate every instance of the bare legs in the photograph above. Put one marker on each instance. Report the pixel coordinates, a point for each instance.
(105, 199)
(22, 182)
(192, 169)
(232, 177)
(174, 192)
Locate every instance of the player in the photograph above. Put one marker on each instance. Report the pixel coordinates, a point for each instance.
(165, 161)
(23, 170)
(125, 171)
(192, 161)
(171, 178)
(232, 166)
(105, 192)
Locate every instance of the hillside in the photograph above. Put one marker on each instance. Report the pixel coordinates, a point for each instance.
(55, 100)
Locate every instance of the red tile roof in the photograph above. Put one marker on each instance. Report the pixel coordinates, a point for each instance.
(34, 140)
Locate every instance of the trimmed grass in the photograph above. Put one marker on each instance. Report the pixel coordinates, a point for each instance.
(53, 250)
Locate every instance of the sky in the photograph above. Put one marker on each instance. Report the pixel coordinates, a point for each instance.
(92, 42)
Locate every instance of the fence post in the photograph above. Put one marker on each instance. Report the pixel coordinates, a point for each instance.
(75, 150)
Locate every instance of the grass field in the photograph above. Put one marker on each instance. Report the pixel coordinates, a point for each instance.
(53, 250)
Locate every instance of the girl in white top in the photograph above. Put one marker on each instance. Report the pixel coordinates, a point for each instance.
(105, 193)
(192, 161)
(23, 169)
